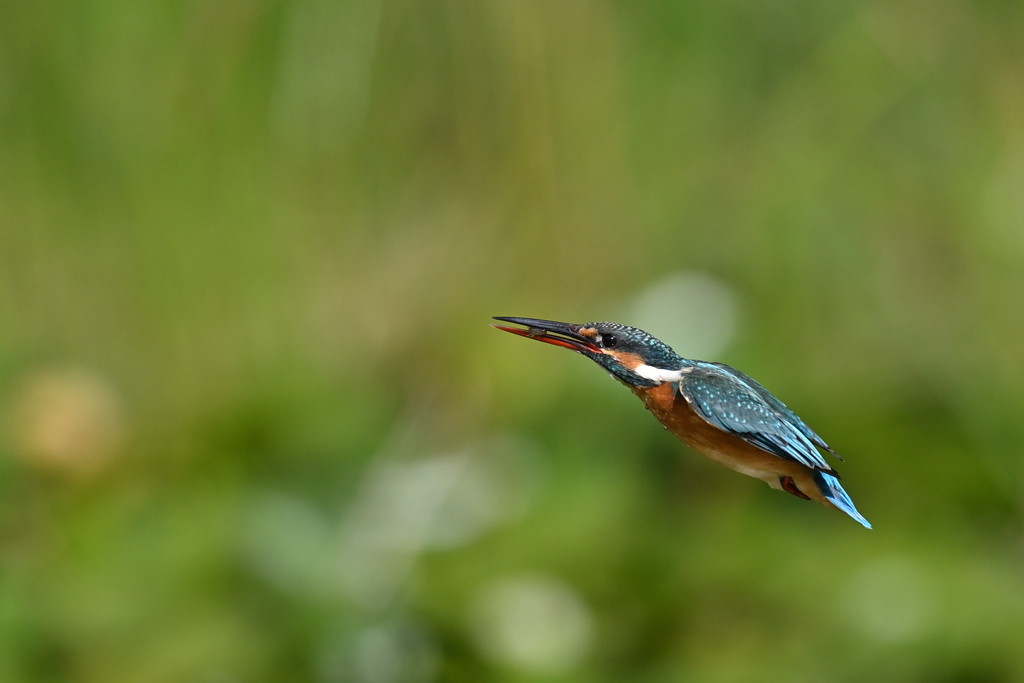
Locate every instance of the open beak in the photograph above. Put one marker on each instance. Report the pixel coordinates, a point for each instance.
(565, 335)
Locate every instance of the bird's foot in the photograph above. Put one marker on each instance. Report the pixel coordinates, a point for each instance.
(789, 486)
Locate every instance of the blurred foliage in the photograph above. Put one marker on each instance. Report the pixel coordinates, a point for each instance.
(256, 426)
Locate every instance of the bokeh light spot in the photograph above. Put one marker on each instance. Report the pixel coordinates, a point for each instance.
(66, 420)
(891, 599)
(533, 622)
(694, 313)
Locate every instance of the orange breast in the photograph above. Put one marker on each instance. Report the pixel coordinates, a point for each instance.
(673, 411)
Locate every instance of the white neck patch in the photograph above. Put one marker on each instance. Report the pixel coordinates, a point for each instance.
(659, 374)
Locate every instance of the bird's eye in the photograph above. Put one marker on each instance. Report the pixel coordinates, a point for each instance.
(608, 341)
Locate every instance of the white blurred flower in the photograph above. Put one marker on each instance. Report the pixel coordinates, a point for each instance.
(532, 622)
(404, 507)
(496, 484)
(389, 522)
(694, 313)
(393, 651)
(288, 543)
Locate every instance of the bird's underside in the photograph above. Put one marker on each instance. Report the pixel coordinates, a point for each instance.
(679, 417)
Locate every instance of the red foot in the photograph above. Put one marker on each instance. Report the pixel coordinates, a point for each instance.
(789, 486)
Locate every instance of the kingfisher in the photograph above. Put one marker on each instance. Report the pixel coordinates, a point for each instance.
(715, 409)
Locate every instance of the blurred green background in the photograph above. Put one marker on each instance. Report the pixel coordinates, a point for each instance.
(256, 427)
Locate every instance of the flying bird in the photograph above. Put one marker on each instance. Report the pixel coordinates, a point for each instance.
(713, 408)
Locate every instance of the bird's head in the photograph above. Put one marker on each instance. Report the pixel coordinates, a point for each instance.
(627, 353)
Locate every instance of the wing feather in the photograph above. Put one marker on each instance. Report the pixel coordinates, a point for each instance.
(731, 404)
(779, 407)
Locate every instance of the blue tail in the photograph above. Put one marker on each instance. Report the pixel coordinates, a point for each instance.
(831, 489)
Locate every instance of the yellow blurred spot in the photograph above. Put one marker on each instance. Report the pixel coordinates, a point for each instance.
(67, 420)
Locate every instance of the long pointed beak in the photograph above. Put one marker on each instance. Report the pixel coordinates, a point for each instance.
(568, 335)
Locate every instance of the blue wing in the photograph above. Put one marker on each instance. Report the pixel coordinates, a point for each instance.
(731, 401)
(778, 406)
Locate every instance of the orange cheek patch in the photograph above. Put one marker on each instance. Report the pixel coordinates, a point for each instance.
(630, 360)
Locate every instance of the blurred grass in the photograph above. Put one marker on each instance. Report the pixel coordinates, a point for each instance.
(275, 230)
